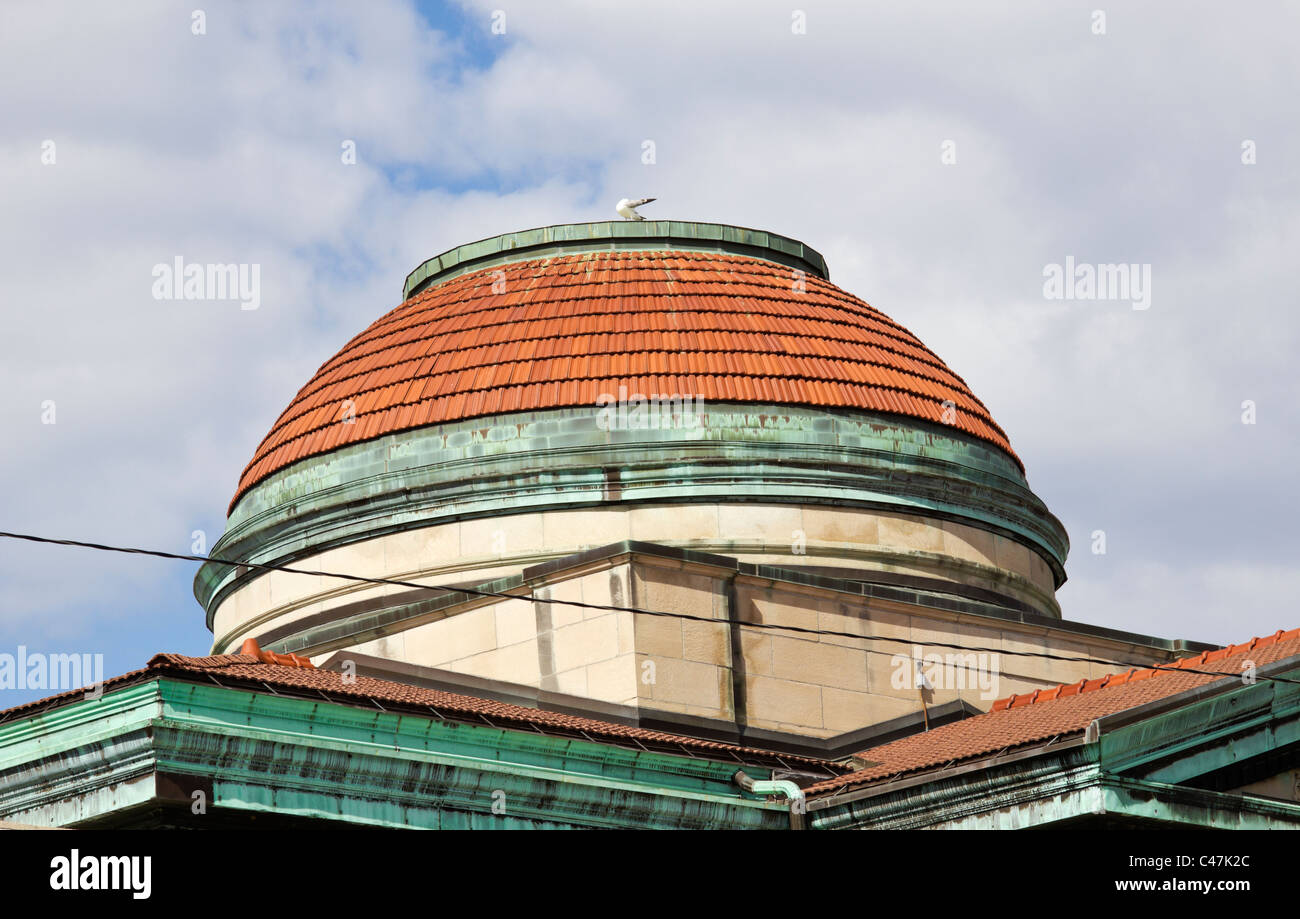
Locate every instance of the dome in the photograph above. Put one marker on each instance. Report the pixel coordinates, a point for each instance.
(697, 386)
(560, 329)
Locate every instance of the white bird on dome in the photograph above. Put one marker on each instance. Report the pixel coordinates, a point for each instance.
(627, 209)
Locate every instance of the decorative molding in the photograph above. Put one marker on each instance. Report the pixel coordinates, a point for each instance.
(562, 460)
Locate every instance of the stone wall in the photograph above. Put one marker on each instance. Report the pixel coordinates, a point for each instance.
(784, 535)
(771, 654)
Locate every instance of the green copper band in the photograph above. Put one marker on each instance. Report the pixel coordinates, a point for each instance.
(564, 459)
(609, 235)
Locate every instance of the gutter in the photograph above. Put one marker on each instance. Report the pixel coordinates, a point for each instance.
(777, 787)
(829, 800)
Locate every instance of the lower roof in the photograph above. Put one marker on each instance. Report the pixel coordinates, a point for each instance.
(289, 675)
(1056, 714)
(1049, 716)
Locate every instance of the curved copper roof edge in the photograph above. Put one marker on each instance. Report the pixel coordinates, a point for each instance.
(613, 235)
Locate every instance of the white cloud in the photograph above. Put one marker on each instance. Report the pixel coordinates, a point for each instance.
(1214, 603)
(226, 147)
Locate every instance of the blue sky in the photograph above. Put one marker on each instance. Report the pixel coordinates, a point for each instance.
(1124, 146)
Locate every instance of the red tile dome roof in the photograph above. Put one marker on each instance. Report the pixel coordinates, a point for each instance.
(561, 330)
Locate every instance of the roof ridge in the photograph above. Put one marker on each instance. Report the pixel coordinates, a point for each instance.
(1019, 700)
(440, 701)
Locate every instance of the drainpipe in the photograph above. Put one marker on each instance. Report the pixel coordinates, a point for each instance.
(777, 787)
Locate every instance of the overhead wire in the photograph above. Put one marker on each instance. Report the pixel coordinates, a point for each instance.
(532, 598)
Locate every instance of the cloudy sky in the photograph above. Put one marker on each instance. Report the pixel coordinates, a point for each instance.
(1166, 136)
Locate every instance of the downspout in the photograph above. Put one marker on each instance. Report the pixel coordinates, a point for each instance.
(777, 787)
(739, 689)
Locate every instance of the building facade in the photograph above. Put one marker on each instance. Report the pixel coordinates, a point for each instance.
(643, 513)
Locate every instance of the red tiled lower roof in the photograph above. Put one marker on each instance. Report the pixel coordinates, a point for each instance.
(1058, 712)
(1198, 662)
(253, 672)
(560, 331)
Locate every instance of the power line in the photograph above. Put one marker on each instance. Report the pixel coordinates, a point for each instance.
(530, 598)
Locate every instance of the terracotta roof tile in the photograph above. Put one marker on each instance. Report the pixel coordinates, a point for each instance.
(731, 327)
(1059, 711)
(286, 673)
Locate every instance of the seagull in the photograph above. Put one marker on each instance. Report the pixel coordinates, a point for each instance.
(627, 209)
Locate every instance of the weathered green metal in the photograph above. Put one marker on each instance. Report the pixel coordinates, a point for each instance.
(1150, 763)
(250, 751)
(564, 458)
(1054, 789)
(1203, 732)
(606, 235)
(309, 758)
(78, 760)
(1180, 805)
